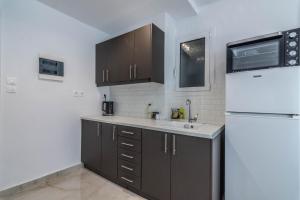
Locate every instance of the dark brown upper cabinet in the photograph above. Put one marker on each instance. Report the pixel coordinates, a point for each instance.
(134, 57)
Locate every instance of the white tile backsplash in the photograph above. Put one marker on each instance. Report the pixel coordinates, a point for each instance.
(132, 100)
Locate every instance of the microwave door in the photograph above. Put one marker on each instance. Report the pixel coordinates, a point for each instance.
(256, 56)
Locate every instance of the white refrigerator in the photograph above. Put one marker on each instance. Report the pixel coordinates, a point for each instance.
(262, 139)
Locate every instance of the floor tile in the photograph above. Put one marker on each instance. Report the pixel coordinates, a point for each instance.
(80, 184)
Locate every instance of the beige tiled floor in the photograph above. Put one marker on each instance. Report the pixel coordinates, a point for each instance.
(81, 184)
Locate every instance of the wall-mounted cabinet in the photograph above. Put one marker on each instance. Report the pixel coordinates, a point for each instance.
(134, 57)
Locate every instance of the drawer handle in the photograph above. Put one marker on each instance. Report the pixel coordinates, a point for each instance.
(125, 167)
(127, 132)
(127, 156)
(126, 179)
(126, 144)
(174, 145)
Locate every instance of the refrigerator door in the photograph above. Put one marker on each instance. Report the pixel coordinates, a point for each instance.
(275, 90)
(262, 158)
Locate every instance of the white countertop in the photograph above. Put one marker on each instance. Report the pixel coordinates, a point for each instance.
(209, 131)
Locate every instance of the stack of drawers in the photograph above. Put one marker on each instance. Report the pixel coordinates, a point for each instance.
(129, 156)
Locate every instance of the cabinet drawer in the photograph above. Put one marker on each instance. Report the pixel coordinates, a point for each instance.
(130, 180)
(129, 144)
(129, 132)
(130, 156)
(129, 167)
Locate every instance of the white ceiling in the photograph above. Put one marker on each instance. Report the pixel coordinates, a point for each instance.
(112, 16)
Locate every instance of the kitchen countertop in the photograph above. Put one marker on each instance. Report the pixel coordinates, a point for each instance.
(209, 131)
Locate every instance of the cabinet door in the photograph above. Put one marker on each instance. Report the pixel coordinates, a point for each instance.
(109, 150)
(190, 168)
(102, 52)
(142, 53)
(156, 164)
(90, 144)
(123, 55)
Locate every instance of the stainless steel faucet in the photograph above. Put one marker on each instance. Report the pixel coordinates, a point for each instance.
(190, 119)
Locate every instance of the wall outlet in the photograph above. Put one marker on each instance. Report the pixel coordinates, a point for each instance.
(81, 93)
(78, 93)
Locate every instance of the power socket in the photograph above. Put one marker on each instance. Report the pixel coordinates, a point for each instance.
(78, 93)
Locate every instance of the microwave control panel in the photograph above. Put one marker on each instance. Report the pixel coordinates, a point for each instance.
(292, 43)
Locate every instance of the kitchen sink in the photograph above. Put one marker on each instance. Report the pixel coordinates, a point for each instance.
(183, 125)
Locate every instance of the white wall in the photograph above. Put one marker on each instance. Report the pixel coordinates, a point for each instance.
(231, 20)
(41, 126)
(1, 105)
(298, 13)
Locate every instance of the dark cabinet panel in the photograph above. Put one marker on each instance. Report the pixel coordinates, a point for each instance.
(129, 167)
(129, 179)
(130, 156)
(134, 57)
(190, 168)
(123, 55)
(142, 53)
(156, 164)
(102, 52)
(90, 144)
(129, 144)
(111, 72)
(109, 150)
(130, 132)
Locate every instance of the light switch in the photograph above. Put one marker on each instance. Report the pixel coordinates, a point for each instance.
(11, 89)
(81, 93)
(11, 81)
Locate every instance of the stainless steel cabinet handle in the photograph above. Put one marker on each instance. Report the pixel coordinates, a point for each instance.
(103, 76)
(127, 156)
(134, 72)
(125, 179)
(98, 129)
(127, 132)
(125, 167)
(174, 145)
(114, 130)
(107, 71)
(130, 72)
(126, 144)
(166, 143)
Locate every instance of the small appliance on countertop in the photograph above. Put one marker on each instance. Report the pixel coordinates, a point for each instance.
(107, 107)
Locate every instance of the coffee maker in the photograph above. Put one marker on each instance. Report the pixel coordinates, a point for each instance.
(107, 107)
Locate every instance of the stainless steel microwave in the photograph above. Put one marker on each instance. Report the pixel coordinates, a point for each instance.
(279, 49)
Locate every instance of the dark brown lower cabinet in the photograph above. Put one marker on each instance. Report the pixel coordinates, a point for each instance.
(156, 164)
(177, 167)
(109, 166)
(190, 168)
(91, 144)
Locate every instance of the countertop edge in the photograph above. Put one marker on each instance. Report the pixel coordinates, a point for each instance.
(162, 129)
